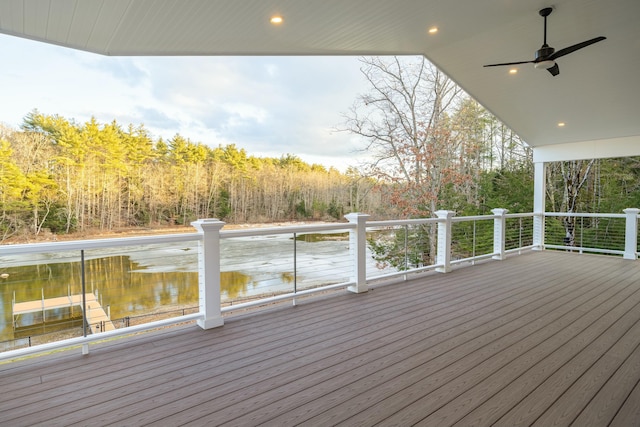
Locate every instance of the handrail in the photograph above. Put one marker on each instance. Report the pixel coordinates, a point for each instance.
(585, 215)
(521, 215)
(473, 218)
(396, 222)
(30, 248)
(268, 231)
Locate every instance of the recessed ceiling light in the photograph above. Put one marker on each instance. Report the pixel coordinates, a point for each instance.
(561, 124)
(276, 20)
(433, 30)
(513, 71)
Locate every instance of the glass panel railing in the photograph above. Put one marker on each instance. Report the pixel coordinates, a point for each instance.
(40, 298)
(55, 295)
(401, 247)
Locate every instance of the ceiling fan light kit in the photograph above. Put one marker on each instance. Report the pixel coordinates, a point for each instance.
(545, 65)
(545, 56)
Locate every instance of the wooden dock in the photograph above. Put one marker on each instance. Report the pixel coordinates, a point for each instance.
(96, 317)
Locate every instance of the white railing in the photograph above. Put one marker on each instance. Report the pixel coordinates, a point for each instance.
(614, 234)
(366, 251)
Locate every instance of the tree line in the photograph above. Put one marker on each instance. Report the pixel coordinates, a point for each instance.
(62, 176)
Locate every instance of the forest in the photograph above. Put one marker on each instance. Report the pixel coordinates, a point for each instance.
(430, 147)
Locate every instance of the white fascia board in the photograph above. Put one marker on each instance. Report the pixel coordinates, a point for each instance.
(595, 149)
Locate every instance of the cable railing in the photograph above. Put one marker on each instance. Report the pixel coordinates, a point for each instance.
(472, 238)
(586, 232)
(519, 232)
(72, 293)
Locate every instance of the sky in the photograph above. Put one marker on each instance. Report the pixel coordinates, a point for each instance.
(270, 106)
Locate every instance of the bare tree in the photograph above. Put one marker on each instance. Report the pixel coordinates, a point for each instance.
(565, 181)
(574, 175)
(404, 120)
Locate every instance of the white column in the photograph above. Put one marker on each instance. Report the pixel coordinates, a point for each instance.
(631, 234)
(499, 231)
(539, 195)
(443, 255)
(209, 272)
(358, 251)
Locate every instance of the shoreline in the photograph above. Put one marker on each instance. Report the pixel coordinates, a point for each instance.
(47, 236)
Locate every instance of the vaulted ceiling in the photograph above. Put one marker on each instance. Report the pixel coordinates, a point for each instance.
(596, 94)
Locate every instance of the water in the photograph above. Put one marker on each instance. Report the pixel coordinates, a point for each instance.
(119, 282)
(137, 280)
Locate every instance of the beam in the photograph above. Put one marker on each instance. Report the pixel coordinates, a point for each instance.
(595, 149)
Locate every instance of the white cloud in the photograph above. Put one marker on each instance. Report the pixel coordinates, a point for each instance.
(242, 113)
(267, 105)
(272, 70)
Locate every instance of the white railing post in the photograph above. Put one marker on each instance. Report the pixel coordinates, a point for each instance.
(538, 231)
(539, 197)
(631, 234)
(358, 250)
(499, 233)
(443, 252)
(209, 272)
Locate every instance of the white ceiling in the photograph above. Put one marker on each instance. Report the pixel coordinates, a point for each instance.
(597, 93)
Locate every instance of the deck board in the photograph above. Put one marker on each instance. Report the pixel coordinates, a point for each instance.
(604, 406)
(541, 369)
(629, 412)
(547, 337)
(439, 363)
(511, 341)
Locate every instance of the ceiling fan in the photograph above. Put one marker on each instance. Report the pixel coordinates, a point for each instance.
(546, 56)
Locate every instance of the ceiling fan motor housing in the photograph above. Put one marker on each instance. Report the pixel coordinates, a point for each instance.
(544, 52)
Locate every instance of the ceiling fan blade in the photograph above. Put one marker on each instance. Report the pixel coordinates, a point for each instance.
(555, 70)
(570, 49)
(508, 63)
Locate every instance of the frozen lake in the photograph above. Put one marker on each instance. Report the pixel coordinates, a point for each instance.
(137, 280)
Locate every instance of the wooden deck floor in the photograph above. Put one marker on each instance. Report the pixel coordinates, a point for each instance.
(540, 339)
